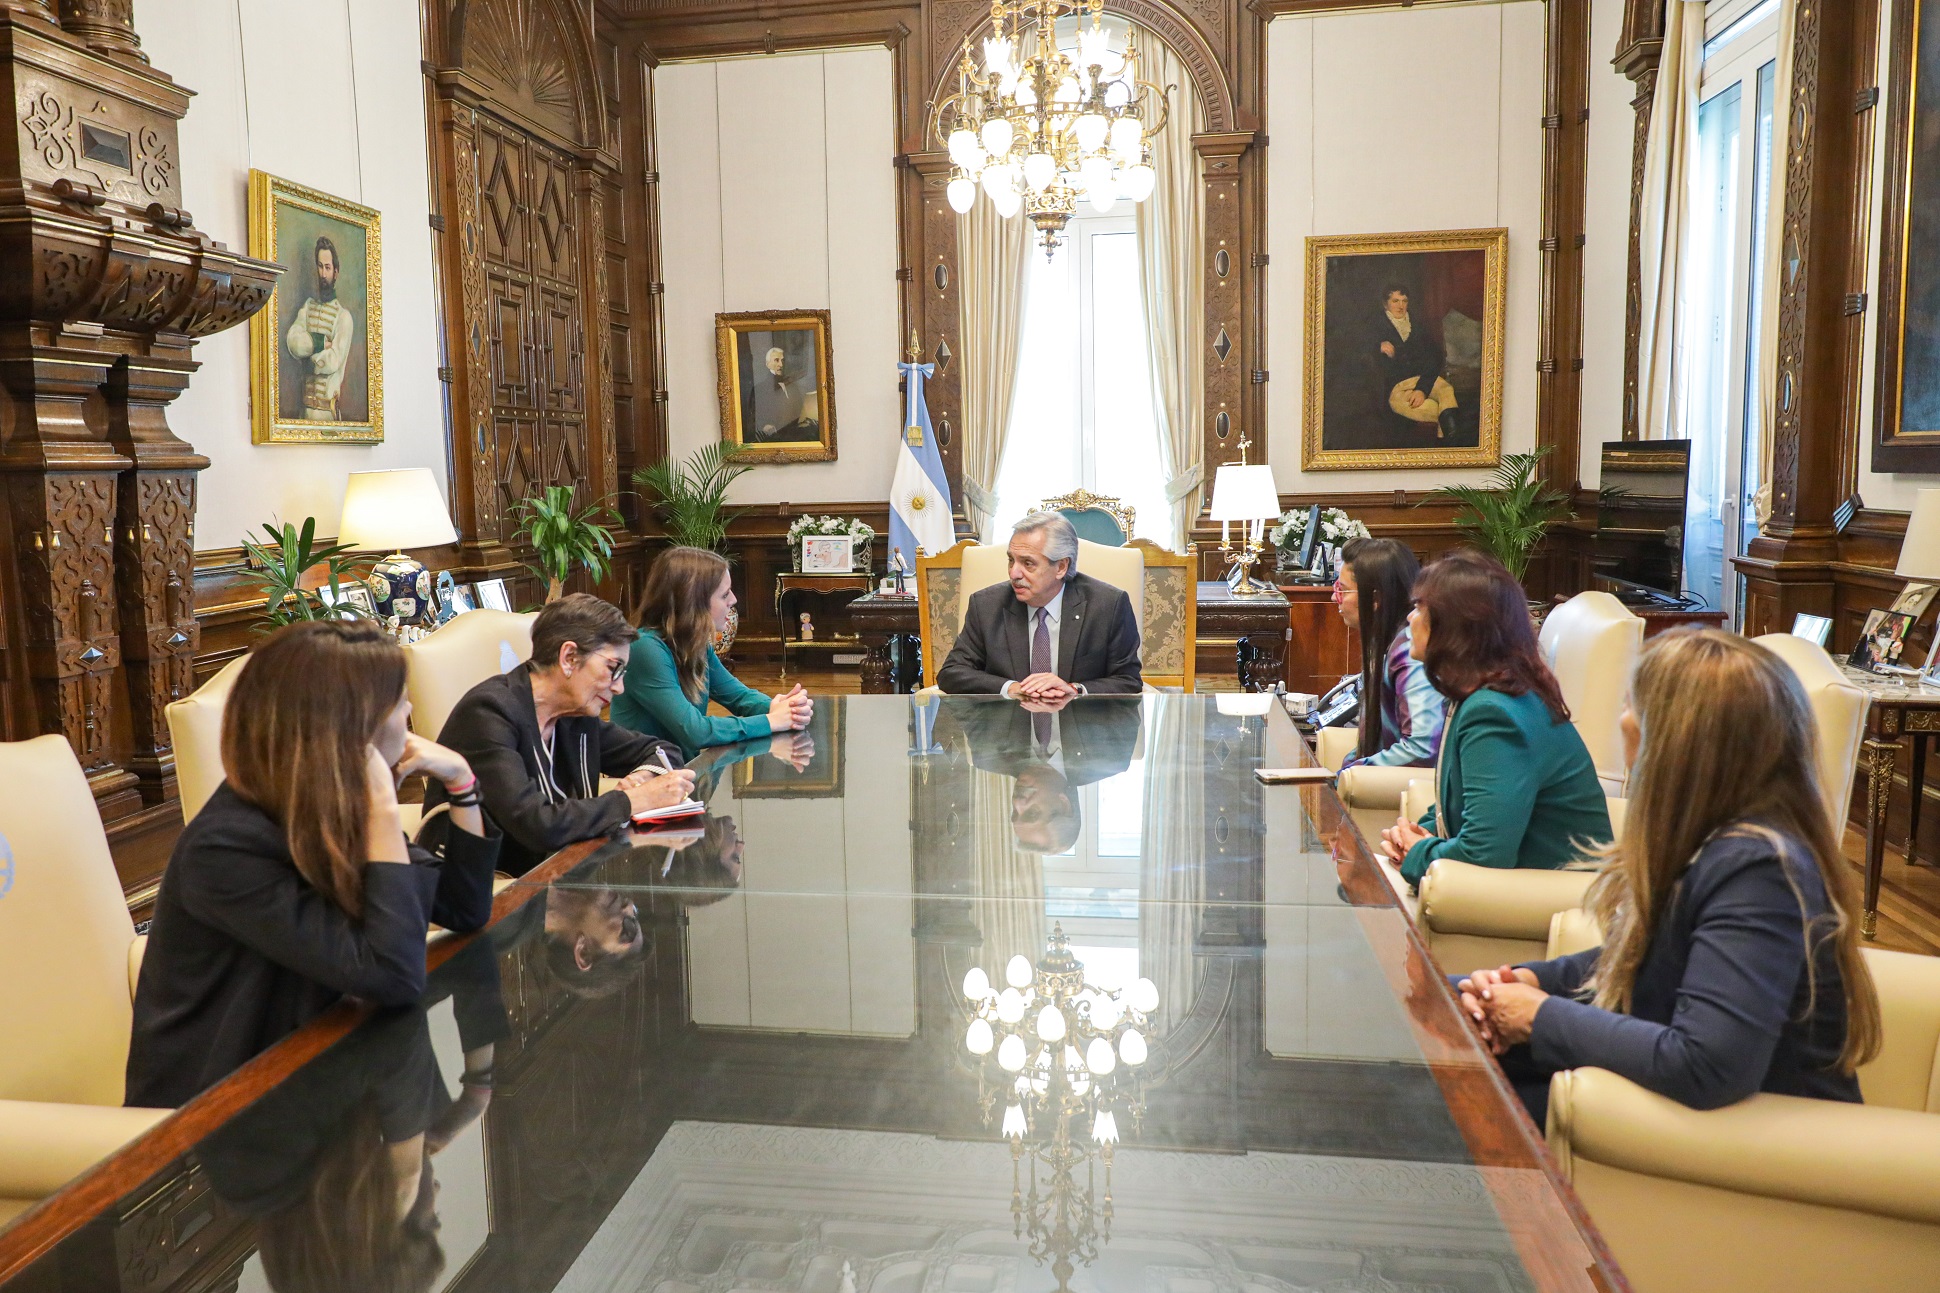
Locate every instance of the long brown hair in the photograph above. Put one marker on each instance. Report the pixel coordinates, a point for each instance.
(679, 589)
(1479, 633)
(296, 733)
(1729, 745)
(1384, 573)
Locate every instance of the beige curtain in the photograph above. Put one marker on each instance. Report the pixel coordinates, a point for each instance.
(992, 256)
(1010, 882)
(1665, 212)
(1770, 283)
(1172, 848)
(1171, 261)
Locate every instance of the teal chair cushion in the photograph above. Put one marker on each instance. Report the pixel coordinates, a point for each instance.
(1095, 524)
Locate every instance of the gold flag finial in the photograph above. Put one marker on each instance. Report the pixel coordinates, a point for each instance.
(915, 348)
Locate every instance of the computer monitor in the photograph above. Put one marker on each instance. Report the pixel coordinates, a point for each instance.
(1640, 517)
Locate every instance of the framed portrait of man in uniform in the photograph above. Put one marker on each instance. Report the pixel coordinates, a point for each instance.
(316, 358)
(1404, 350)
(777, 386)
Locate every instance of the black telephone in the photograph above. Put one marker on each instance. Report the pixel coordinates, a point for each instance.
(1340, 707)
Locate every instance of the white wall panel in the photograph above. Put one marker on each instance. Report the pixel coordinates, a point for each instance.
(1394, 122)
(778, 191)
(328, 94)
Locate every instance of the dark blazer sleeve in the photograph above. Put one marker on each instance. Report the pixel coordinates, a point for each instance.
(489, 740)
(264, 904)
(1120, 673)
(463, 900)
(1745, 959)
(966, 671)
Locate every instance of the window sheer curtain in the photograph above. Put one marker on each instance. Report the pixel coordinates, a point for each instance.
(1172, 277)
(992, 255)
(1665, 218)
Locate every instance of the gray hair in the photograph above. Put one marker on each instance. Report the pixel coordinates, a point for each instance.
(1060, 539)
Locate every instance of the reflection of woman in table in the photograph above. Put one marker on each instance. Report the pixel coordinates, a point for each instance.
(675, 673)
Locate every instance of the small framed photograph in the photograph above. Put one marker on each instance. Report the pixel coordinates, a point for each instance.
(493, 595)
(1914, 599)
(454, 598)
(352, 601)
(1813, 628)
(828, 554)
(1881, 643)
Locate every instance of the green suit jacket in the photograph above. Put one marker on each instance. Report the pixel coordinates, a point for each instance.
(654, 704)
(1515, 789)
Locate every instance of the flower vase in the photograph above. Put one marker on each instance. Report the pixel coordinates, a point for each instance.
(724, 639)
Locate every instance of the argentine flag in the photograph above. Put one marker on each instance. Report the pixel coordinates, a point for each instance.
(919, 497)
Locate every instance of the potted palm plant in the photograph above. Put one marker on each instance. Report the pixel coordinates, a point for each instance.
(1508, 517)
(566, 539)
(278, 563)
(691, 500)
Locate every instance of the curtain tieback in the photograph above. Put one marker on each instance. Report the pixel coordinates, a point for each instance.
(1182, 485)
(977, 496)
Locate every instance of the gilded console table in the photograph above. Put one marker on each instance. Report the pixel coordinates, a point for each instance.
(1900, 709)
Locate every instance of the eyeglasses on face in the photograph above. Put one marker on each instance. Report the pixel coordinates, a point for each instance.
(615, 667)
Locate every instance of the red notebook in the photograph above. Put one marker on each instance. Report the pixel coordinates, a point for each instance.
(681, 811)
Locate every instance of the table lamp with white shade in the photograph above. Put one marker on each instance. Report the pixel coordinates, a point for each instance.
(1244, 492)
(1920, 549)
(396, 510)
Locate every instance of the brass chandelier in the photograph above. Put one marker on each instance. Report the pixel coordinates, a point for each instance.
(1042, 128)
(1062, 1058)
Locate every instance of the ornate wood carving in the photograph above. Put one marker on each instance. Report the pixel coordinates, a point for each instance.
(107, 27)
(516, 48)
(1566, 124)
(1227, 363)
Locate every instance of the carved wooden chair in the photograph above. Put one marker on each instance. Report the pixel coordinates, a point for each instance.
(1097, 517)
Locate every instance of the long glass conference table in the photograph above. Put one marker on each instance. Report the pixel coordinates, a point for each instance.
(963, 1000)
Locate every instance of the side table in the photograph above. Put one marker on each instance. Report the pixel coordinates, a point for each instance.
(1899, 710)
(795, 584)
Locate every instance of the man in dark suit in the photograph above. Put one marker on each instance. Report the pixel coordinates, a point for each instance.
(1050, 633)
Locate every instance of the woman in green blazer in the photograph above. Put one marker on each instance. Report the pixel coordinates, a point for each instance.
(674, 673)
(1515, 786)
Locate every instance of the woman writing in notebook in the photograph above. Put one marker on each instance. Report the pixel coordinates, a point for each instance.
(537, 741)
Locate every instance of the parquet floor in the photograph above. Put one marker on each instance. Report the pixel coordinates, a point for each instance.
(1909, 897)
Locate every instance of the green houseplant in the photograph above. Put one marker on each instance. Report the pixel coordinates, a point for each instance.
(277, 565)
(566, 539)
(1507, 517)
(691, 496)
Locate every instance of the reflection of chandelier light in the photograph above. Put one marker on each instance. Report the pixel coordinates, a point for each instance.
(1042, 128)
(1062, 1055)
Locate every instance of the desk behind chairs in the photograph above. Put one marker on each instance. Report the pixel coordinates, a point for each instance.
(69, 951)
(1162, 585)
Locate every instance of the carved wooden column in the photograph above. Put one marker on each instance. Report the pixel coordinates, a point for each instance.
(1788, 567)
(106, 27)
(1566, 130)
(104, 284)
(930, 300)
(1230, 349)
(1638, 53)
(602, 448)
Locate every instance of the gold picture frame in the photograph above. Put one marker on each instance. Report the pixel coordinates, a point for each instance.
(776, 385)
(322, 384)
(1362, 407)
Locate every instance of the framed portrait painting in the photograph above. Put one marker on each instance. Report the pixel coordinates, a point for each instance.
(777, 386)
(316, 351)
(1404, 350)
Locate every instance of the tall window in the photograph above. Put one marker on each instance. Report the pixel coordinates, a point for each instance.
(1084, 417)
(1723, 292)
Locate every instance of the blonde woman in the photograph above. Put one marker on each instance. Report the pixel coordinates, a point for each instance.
(1731, 959)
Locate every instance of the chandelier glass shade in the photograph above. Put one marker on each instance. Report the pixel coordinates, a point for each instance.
(1040, 128)
(1062, 1059)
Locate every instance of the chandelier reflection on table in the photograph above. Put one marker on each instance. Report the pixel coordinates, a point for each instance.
(1062, 1058)
(1042, 128)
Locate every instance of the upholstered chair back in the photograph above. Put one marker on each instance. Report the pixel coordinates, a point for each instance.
(984, 564)
(1591, 644)
(1906, 1073)
(195, 729)
(65, 935)
(1095, 525)
(465, 652)
(1840, 710)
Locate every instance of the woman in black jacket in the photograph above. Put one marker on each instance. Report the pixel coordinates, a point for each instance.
(1730, 963)
(294, 885)
(536, 737)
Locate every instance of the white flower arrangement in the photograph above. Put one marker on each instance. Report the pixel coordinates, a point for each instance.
(1336, 528)
(805, 526)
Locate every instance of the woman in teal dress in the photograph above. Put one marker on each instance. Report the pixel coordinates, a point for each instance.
(674, 673)
(1515, 786)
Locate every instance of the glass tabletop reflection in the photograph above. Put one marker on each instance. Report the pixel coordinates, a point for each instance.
(944, 1006)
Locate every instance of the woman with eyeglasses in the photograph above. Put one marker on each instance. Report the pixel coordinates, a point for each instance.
(539, 746)
(1401, 712)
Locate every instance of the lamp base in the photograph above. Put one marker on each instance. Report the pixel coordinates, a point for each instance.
(1239, 576)
(401, 586)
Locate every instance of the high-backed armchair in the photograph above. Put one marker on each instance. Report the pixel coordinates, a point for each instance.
(1839, 709)
(1096, 517)
(195, 730)
(1162, 585)
(445, 665)
(69, 949)
(1774, 1192)
(1591, 643)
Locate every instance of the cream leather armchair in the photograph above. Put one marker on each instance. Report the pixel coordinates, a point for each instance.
(1774, 1192)
(1838, 707)
(195, 730)
(444, 665)
(1591, 643)
(67, 942)
(1372, 795)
